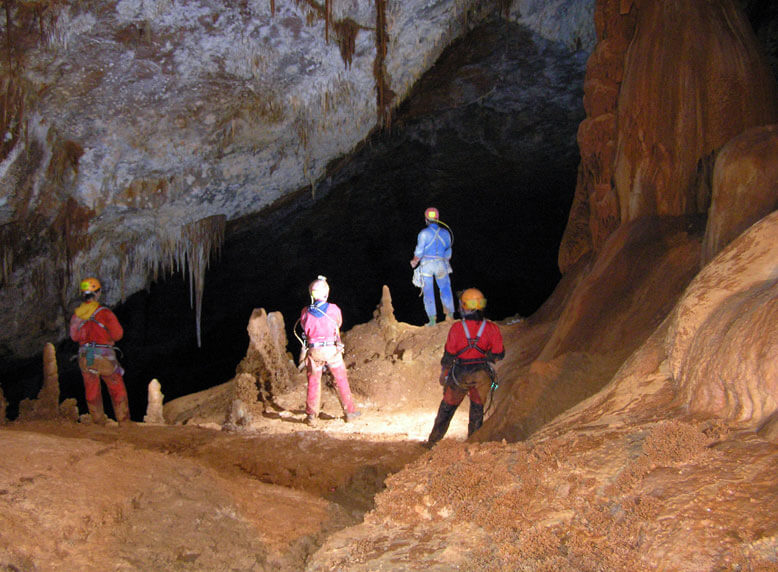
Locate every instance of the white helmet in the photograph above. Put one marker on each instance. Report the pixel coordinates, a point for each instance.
(319, 289)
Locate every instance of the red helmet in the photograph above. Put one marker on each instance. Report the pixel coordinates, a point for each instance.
(432, 214)
(319, 289)
(89, 285)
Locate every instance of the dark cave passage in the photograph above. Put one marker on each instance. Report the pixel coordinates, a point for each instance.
(487, 137)
(360, 237)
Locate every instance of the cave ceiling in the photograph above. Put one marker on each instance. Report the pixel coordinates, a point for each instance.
(135, 130)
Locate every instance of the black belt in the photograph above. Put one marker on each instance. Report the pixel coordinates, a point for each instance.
(321, 344)
(96, 345)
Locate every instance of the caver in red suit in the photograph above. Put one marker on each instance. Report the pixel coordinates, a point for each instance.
(321, 323)
(473, 344)
(95, 329)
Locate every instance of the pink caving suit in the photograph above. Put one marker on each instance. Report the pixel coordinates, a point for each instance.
(321, 325)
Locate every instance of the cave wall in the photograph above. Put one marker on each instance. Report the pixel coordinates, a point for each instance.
(688, 140)
(667, 86)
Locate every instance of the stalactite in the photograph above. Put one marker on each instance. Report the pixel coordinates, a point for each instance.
(384, 94)
(346, 31)
(327, 19)
(70, 230)
(153, 248)
(199, 240)
(7, 243)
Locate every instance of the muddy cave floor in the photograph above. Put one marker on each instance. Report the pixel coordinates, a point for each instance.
(644, 491)
(82, 496)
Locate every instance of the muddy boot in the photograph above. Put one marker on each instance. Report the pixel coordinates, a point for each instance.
(310, 420)
(122, 412)
(442, 421)
(97, 413)
(349, 417)
(476, 418)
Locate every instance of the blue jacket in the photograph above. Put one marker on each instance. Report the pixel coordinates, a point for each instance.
(433, 242)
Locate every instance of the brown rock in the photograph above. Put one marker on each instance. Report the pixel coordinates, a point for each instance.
(679, 69)
(686, 70)
(723, 335)
(745, 187)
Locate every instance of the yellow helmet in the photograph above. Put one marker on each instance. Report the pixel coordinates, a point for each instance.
(319, 289)
(89, 285)
(432, 214)
(472, 299)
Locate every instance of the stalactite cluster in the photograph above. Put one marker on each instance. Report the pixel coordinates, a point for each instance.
(154, 248)
(71, 236)
(199, 239)
(346, 31)
(27, 25)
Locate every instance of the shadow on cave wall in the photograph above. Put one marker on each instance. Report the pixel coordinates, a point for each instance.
(487, 136)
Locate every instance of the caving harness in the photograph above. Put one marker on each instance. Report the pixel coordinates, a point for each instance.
(318, 310)
(472, 344)
(88, 348)
(417, 278)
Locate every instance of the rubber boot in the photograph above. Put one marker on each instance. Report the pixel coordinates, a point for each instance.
(122, 412)
(476, 418)
(97, 413)
(432, 320)
(442, 421)
(349, 417)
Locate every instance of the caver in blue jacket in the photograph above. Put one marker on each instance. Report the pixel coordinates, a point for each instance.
(431, 259)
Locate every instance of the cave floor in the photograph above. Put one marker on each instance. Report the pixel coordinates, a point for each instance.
(82, 496)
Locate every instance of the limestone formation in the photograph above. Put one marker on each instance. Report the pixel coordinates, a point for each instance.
(265, 370)
(659, 100)
(384, 312)
(616, 304)
(46, 405)
(745, 187)
(723, 335)
(68, 409)
(125, 122)
(154, 407)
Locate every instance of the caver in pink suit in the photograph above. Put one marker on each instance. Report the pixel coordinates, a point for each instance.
(321, 323)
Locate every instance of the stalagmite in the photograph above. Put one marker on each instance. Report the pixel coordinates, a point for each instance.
(46, 405)
(154, 407)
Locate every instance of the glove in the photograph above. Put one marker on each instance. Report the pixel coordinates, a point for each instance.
(414, 261)
(443, 376)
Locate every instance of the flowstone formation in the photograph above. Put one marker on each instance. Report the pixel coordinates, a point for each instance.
(659, 108)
